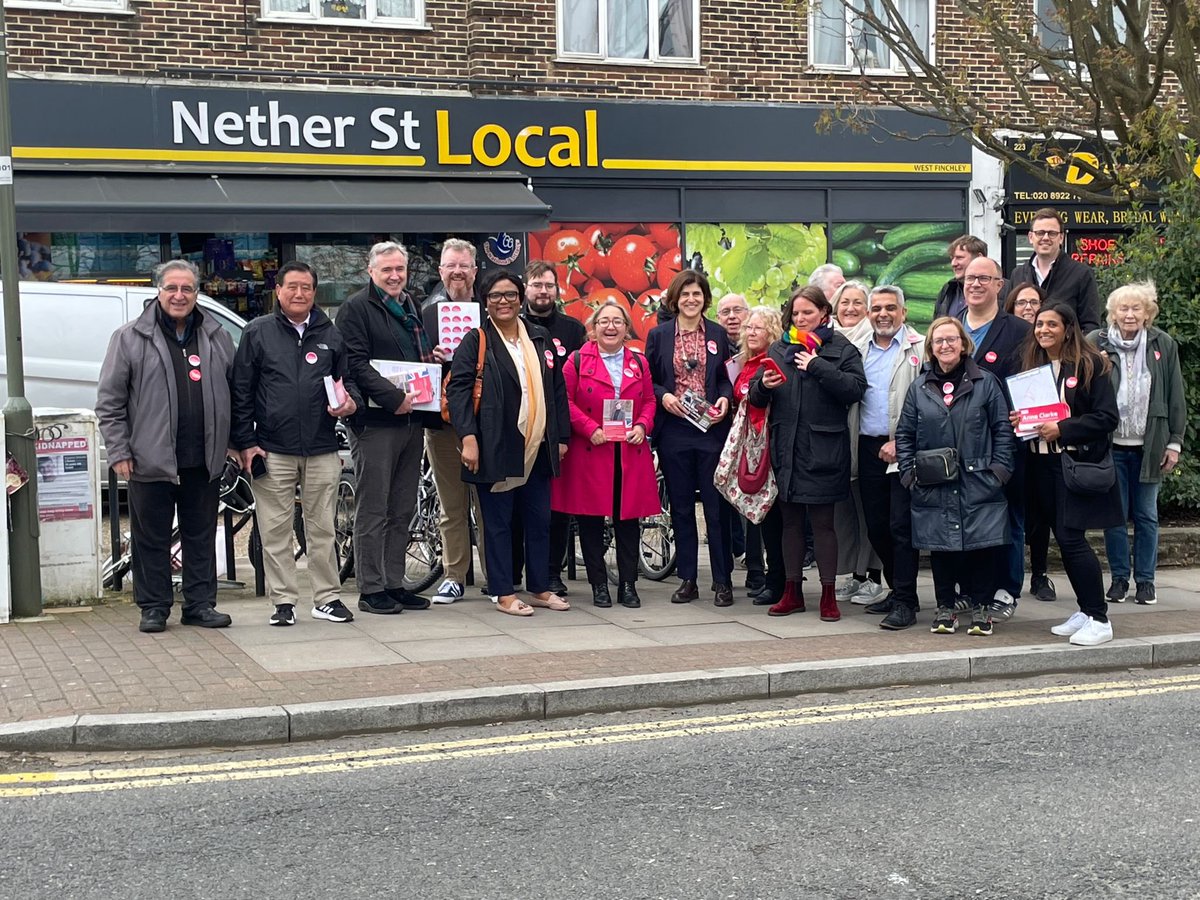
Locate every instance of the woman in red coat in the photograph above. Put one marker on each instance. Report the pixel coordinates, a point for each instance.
(592, 484)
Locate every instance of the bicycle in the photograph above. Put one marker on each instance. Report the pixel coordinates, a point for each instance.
(343, 525)
(423, 561)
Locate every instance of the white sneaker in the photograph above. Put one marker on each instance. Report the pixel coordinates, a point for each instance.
(1072, 625)
(448, 592)
(1093, 633)
(867, 594)
(848, 588)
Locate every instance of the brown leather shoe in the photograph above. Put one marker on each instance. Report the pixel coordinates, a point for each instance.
(724, 595)
(686, 592)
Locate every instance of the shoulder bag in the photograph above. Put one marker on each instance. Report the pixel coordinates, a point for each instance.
(1088, 477)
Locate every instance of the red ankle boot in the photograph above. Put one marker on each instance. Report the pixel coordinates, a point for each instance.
(792, 601)
(829, 607)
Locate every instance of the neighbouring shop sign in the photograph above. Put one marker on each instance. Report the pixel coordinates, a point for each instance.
(123, 122)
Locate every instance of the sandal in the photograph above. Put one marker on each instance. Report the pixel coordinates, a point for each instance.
(515, 607)
(549, 600)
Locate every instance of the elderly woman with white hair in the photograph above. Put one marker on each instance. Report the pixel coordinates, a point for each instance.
(1147, 443)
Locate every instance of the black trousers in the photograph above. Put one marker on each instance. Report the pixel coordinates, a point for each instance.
(152, 505)
(770, 532)
(560, 524)
(688, 460)
(1047, 499)
(887, 506)
(975, 570)
(627, 535)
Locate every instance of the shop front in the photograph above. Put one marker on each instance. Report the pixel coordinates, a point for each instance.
(619, 194)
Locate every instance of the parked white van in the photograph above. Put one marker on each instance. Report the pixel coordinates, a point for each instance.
(65, 329)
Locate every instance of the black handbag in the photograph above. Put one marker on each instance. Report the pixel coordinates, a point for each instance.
(1089, 477)
(938, 466)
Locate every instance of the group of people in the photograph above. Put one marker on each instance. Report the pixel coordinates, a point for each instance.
(880, 442)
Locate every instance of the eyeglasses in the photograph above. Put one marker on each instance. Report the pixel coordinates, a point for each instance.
(186, 289)
(503, 297)
(753, 329)
(732, 311)
(946, 341)
(458, 267)
(1045, 234)
(541, 285)
(981, 279)
(1032, 302)
(610, 323)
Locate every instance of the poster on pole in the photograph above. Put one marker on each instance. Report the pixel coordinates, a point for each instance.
(63, 483)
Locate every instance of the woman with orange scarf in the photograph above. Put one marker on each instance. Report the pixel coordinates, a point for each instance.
(761, 329)
(810, 379)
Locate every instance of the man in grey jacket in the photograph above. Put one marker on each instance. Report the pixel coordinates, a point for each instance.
(163, 405)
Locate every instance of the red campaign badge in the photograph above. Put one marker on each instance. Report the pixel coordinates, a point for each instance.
(557, 342)
(947, 388)
(1072, 381)
(1158, 354)
(549, 359)
(712, 346)
(628, 372)
(193, 360)
(310, 358)
(948, 399)
(990, 356)
(914, 360)
(744, 390)
(562, 351)
(194, 375)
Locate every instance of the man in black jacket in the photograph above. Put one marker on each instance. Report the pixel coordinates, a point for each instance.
(381, 322)
(999, 339)
(567, 335)
(1062, 278)
(951, 300)
(282, 419)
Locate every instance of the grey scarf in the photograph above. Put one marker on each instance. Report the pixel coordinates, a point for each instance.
(1133, 396)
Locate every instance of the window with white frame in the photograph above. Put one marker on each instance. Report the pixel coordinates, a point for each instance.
(651, 31)
(75, 5)
(840, 37)
(1054, 32)
(382, 12)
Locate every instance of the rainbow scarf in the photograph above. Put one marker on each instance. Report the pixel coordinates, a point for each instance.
(811, 340)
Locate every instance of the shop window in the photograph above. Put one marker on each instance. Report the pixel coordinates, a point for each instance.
(343, 12)
(839, 38)
(1054, 34)
(643, 31)
(42, 256)
(100, 6)
(764, 262)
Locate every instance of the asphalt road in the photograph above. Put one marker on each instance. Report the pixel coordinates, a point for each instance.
(1054, 787)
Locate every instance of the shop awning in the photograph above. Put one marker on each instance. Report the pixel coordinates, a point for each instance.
(93, 201)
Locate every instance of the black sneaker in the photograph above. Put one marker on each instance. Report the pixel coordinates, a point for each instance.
(1043, 588)
(379, 603)
(756, 580)
(981, 622)
(1118, 591)
(285, 614)
(902, 616)
(406, 599)
(1145, 594)
(154, 620)
(882, 607)
(206, 617)
(333, 611)
(963, 602)
(945, 622)
(556, 586)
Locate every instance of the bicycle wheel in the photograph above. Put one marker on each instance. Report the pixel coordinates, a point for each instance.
(610, 554)
(343, 525)
(656, 559)
(300, 548)
(423, 563)
(118, 567)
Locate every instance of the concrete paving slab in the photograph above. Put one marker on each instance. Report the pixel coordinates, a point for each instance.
(433, 624)
(322, 655)
(247, 635)
(460, 648)
(1175, 649)
(809, 624)
(867, 672)
(720, 633)
(43, 734)
(651, 615)
(598, 637)
(310, 721)
(569, 698)
(998, 662)
(575, 617)
(197, 728)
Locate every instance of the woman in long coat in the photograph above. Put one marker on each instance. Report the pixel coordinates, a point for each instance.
(809, 437)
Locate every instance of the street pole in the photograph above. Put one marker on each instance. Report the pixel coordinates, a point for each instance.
(24, 558)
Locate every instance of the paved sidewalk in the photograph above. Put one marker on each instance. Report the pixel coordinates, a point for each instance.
(95, 662)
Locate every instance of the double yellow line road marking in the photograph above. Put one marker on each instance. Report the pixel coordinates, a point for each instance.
(83, 781)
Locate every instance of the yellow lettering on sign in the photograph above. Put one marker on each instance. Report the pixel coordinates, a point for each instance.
(445, 157)
(592, 137)
(521, 146)
(1196, 167)
(1075, 175)
(503, 141)
(565, 153)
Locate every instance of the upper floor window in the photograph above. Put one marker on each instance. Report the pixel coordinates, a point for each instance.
(651, 31)
(76, 5)
(1053, 27)
(841, 37)
(382, 12)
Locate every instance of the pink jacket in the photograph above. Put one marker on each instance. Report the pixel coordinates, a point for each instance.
(585, 487)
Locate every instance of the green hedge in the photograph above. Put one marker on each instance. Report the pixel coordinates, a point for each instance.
(1168, 253)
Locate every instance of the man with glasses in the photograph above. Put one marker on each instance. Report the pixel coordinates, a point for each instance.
(164, 409)
(567, 335)
(458, 271)
(732, 311)
(1062, 278)
(381, 322)
(951, 299)
(998, 338)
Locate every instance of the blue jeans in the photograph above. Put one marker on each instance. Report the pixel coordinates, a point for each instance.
(1139, 501)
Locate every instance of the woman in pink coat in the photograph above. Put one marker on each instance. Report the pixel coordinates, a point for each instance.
(608, 471)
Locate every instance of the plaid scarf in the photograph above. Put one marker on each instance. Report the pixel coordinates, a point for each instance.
(403, 313)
